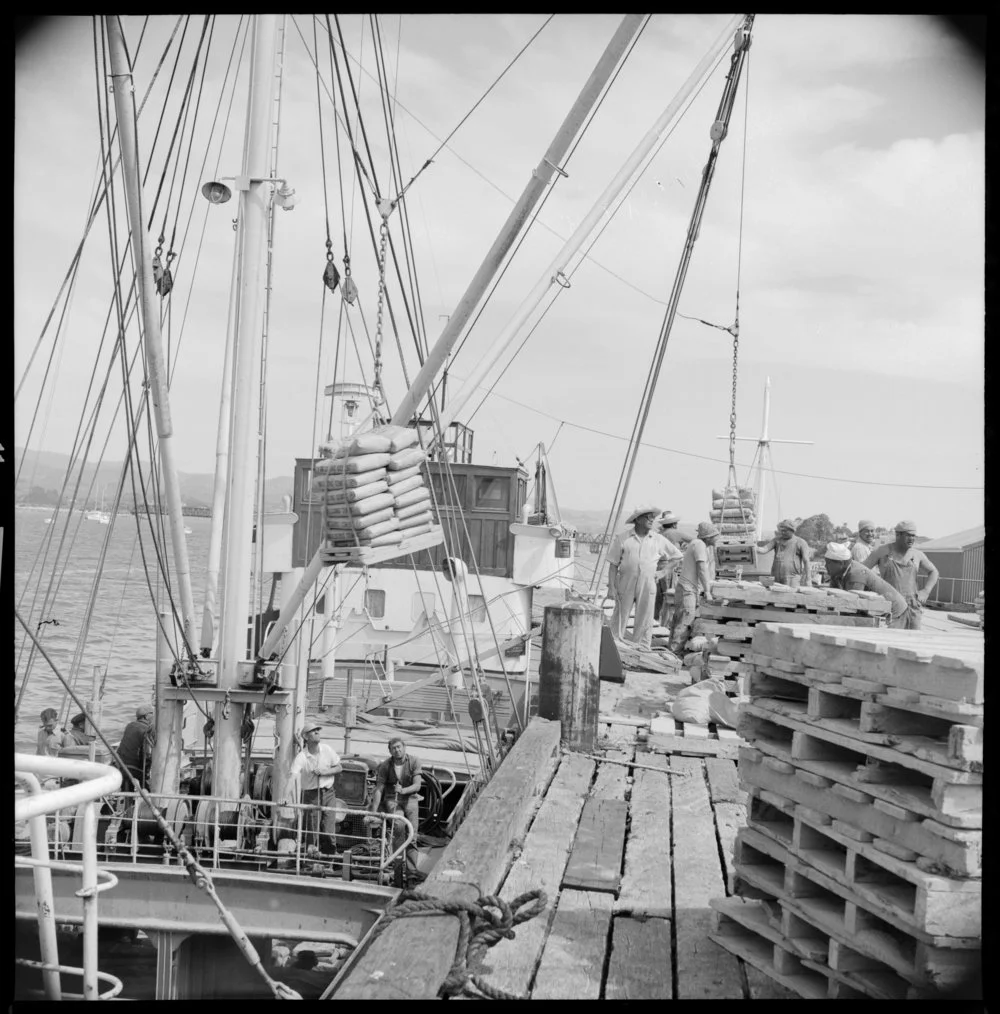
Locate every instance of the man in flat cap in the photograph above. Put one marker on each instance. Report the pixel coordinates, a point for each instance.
(317, 764)
(136, 748)
(633, 560)
(864, 545)
(853, 576)
(898, 563)
(694, 580)
(665, 577)
(791, 555)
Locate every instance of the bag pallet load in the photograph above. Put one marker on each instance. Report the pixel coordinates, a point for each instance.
(374, 495)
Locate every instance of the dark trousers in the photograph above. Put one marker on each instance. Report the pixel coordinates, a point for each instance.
(320, 824)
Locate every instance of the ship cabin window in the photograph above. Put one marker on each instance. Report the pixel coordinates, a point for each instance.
(375, 603)
(422, 602)
(492, 493)
(477, 608)
(306, 495)
(446, 496)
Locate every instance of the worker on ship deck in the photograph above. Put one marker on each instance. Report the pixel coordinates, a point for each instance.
(864, 545)
(78, 730)
(633, 560)
(135, 751)
(665, 576)
(791, 555)
(851, 575)
(317, 764)
(398, 783)
(51, 739)
(898, 563)
(697, 572)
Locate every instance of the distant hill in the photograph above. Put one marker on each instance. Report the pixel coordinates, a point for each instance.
(46, 470)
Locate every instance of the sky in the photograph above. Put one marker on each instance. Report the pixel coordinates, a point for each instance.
(847, 208)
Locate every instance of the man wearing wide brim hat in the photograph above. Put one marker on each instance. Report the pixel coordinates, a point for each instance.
(697, 572)
(864, 545)
(850, 575)
(899, 564)
(633, 559)
(791, 555)
(664, 580)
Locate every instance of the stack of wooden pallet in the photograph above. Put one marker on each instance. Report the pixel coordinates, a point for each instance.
(862, 858)
(740, 605)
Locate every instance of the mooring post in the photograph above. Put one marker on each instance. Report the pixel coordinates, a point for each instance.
(569, 687)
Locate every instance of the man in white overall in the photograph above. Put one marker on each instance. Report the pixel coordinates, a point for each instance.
(633, 559)
(898, 563)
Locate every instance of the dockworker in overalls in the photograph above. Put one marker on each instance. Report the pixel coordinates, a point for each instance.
(633, 560)
(694, 584)
(898, 563)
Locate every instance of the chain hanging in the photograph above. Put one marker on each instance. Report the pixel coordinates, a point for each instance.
(385, 208)
(162, 277)
(735, 331)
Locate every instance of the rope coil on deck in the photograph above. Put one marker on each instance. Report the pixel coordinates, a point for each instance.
(482, 924)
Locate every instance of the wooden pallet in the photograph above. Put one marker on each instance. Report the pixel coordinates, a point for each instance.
(896, 819)
(811, 598)
(938, 906)
(691, 740)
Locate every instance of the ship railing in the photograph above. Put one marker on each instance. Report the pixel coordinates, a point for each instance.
(91, 782)
(244, 833)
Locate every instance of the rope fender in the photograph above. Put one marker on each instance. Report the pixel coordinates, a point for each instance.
(482, 924)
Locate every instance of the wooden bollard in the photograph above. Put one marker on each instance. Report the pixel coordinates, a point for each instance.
(569, 687)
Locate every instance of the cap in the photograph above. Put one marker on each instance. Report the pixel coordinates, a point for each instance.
(837, 551)
(79, 719)
(669, 518)
(862, 525)
(706, 530)
(907, 526)
(788, 523)
(143, 710)
(640, 510)
(309, 728)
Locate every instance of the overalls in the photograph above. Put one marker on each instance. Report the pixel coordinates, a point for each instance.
(902, 575)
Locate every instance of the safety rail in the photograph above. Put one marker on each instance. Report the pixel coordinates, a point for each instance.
(244, 833)
(91, 782)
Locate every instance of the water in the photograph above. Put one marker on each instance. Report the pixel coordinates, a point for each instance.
(122, 633)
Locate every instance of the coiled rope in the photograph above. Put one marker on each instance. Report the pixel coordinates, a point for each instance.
(482, 924)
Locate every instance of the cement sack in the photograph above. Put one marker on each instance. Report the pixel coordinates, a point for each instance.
(705, 702)
(330, 478)
(415, 520)
(420, 507)
(390, 539)
(747, 529)
(403, 474)
(357, 463)
(362, 443)
(414, 496)
(731, 503)
(414, 482)
(350, 538)
(733, 517)
(412, 533)
(358, 524)
(406, 459)
(400, 437)
(335, 496)
(367, 506)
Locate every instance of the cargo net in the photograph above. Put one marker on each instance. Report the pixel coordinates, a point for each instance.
(373, 489)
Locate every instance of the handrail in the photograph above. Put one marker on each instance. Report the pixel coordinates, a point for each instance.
(95, 780)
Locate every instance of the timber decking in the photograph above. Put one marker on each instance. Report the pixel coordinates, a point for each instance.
(630, 845)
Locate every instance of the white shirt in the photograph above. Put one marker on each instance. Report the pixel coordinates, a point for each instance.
(307, 764)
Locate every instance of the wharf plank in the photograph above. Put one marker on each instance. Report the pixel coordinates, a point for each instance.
(645, 887)
(685, 745)
(704, 970)
(612, 779)
(540, 865)
(641, 966)
(573, 960)
(723, 781)
(411, 957)
(596, 859)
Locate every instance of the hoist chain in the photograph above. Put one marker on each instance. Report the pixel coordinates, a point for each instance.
(735, 330)
(383, 238)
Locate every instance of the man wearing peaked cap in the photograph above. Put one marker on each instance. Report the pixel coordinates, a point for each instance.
(136, 748)
(78, 730)
(633, 559)
(664, 581)
(317, 765)
(850, 575)
(864, 545)
(791, 555)
(694, 580)
(899, 564)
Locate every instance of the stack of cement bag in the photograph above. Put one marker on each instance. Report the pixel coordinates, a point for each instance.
(734, 511)
(373, 489)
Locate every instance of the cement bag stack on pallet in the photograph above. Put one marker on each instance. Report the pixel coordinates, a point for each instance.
(859, 872)
(374, 491)
(739, 606)
(734, 513)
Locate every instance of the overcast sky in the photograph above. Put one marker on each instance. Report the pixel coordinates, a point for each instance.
(861, 288)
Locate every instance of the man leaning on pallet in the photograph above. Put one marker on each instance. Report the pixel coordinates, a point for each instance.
(899, 563)
(853, 576)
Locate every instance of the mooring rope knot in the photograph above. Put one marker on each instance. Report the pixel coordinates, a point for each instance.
(482, 924)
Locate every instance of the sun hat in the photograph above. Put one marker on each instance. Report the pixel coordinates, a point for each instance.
(706, 530)
(669, 518)
(837, 551)
(907, 526)
(640, 510)
(788, 523)
(143, 710)
(862, 525)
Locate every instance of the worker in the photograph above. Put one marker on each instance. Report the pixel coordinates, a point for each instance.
(51, 739)
(633, 560)
(78, 730)
(864, 545)
(851, 575)
(899, 563)
(135, 750)
(398, 782)
(791, 555)
(665, 576)
(697, 572)
(318, 764)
